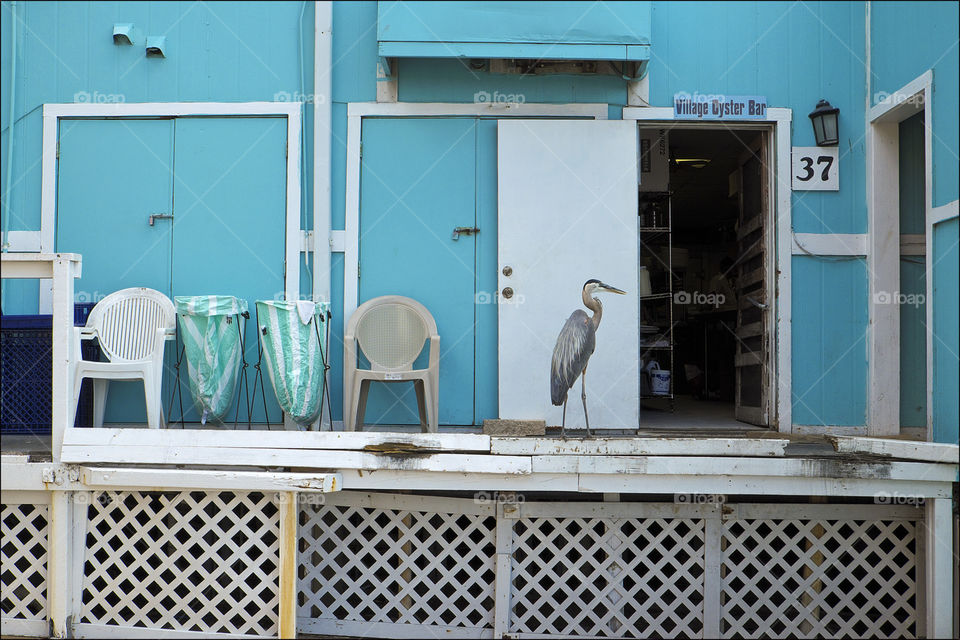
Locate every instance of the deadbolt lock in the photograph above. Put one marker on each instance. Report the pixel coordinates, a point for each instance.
(507, 292)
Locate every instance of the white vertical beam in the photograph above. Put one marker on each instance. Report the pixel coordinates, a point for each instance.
(288, 564)
(322, 133)
(59, 548)
(351, 250)
(48, 199)
(65, 269)
(503, 579)
(938, 567)
(712, 583)
(292, 235)
(928, 228)
(784, 264)
(883, 265)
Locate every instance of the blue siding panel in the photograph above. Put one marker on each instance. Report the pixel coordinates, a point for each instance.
(946, 343)
(829, 342)
(520, 22)
(930, 28)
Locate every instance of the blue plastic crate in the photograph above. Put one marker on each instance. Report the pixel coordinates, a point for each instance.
(26, 374)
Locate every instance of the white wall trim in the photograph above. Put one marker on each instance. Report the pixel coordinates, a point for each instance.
(830, 244)
(48, 197)
(322, 134)
(356, 111)
(943, 213)
(780, 146)
(481, 109)
(883, 255)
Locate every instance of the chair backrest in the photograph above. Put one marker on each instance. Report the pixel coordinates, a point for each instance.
(126, 322)
(391, 331)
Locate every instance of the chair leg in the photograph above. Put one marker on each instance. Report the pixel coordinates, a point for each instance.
(434, 407)
(418, 386)
(362, 403)
(153, 402)
(100, 388)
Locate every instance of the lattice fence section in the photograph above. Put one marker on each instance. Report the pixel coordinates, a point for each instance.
(608, 577)
(194, 561)
(23, 560)
(819, 578)
(368, 560)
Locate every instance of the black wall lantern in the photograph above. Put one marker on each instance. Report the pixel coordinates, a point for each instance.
(825, 128)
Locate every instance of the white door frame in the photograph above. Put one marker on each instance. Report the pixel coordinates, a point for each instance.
(356, 111)
(291, 110)
(778, 271)
(883, 259)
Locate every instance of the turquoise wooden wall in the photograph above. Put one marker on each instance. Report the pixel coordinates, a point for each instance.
(793, 53)
(926, 37)
(216, 51)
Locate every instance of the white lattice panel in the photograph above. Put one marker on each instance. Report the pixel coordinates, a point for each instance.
(819, 578)
(370, 561)
(608, 577)
(23, 561)
(195, 561)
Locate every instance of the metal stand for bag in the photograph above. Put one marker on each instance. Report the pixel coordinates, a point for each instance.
(259, 374)
(178, 388)
(325, 350)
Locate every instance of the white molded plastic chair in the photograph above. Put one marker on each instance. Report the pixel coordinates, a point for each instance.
(132, 326)
(390, 331)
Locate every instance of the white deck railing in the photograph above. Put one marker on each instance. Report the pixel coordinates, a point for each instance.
(62, 268)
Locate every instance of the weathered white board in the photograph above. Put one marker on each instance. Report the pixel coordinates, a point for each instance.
(567, 194)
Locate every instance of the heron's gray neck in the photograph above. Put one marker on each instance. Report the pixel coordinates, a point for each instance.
(594, 305)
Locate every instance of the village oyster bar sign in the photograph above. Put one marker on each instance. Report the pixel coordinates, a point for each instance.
(699, 106)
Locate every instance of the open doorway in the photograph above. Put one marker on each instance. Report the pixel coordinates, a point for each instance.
(704, 280)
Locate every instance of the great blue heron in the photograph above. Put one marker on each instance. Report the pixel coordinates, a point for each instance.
(575, 345)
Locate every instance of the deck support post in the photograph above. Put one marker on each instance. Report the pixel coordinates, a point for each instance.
(60, 579)
(501, 613)
(288, 564)
(938, 567)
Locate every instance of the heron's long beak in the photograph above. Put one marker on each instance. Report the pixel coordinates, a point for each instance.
(605, 287)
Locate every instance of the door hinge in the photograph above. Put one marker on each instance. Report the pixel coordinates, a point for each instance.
(361, 149)
(58, 149)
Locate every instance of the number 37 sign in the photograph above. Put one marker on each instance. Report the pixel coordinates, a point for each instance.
(816, 169)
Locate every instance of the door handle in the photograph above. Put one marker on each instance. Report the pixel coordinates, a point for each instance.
(467, 231)
(160, 216)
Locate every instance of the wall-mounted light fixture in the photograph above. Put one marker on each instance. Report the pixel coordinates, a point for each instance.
(125, 33)
(825, 124)
(156, 46)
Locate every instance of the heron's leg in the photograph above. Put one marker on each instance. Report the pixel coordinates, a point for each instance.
(583, 396)
(563, 421)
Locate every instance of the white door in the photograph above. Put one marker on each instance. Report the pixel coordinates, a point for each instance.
(567, 212)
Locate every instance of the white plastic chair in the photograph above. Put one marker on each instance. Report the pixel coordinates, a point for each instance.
(132, 326)
(390, 331)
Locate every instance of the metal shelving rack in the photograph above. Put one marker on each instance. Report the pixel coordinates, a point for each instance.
(659, 234)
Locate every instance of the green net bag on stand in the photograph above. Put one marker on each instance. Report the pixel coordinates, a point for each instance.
(291, 336)
(209, 327)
